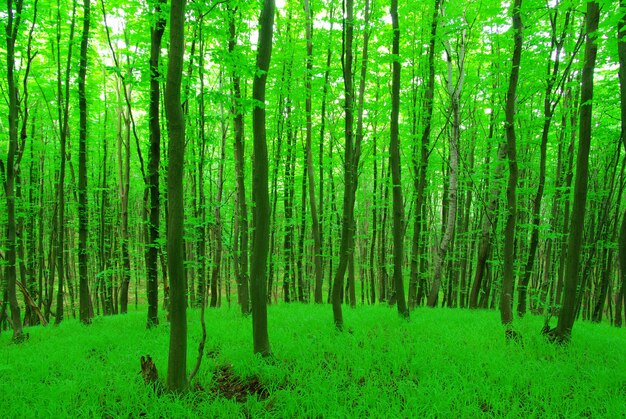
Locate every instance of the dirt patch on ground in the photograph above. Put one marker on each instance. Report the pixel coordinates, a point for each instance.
(231, 386)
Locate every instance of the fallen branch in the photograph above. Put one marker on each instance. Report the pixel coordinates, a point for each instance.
(31, 303)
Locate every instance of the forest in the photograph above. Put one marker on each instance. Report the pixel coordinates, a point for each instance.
(453, 161)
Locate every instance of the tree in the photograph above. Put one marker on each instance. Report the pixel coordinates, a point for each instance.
(260, 193)
(241, 210)
(63, 104)
(620, 302)
(567, 315)
(394, 163)
(152, 253)
(12, 29)
(420, 167)
(86, 310)
(347, 221)
(177, 362)
(317, 242)
(454, 91)
(550, 103)
(506, 297)
(125, 127)
(360, 132)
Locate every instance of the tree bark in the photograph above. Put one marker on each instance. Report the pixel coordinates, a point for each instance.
(63, 118)
(420, 167)
(394, 162)
(260, 194)
(347, 225)
(12, 29)
(152, 253)
(574, 244)
(177, 361)
(621, 50)
(506, 296)
(242, 207)
(217, 214)
(86, 311)
(123, 157)
(317, 243)
(454, 91)
(548, 111)
(322, 218)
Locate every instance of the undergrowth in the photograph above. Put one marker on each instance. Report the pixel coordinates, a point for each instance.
(442, 363)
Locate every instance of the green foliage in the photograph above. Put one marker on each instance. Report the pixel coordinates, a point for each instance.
(445, 363)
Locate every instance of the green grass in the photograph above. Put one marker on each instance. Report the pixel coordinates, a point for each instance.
(444, 363)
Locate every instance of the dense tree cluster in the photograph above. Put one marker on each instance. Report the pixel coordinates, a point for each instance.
(470, 153)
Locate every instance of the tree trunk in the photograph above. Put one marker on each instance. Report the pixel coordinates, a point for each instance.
(83, 209)
(548, 111)
(506, 295)
(152, 254)
(12, 29)
(217, 214)
(375, 199)
(242, 208)
(574, 245)
(621, 49)
(395, 164)
(317, 244)
(420, 168)
(323, 220)
(288, 195)
(598, 308)
(300, 281)
(260, 194)
(347, 225)
(63, 118)
(177, 361)
(454, 90)
(123, 157)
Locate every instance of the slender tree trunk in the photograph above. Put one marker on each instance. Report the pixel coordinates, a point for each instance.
(217, 226)
(63, 118)
(177, 362)
(152, 254)
(83, 209)
(621, 49)
(123, 156)
(375, 200)
(395, 164)
(323, 220)
(490, 220)
(288, 194)
(598, 308)
(382, 240)
(317, 244)
(12, 29)
(574, 245)
(454, 90)
(26, 262)
(201, 226)
(506, 296)
(242, 207)
(260, 194)
(104, 245)
(420, 167)
(548, 111)
(276, 149)
(467, 247)
(347, 226)
(300, 281)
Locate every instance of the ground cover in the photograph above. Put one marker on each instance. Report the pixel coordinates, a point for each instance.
(442, 363)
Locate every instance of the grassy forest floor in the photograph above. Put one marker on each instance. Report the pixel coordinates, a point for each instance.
(443, 363)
